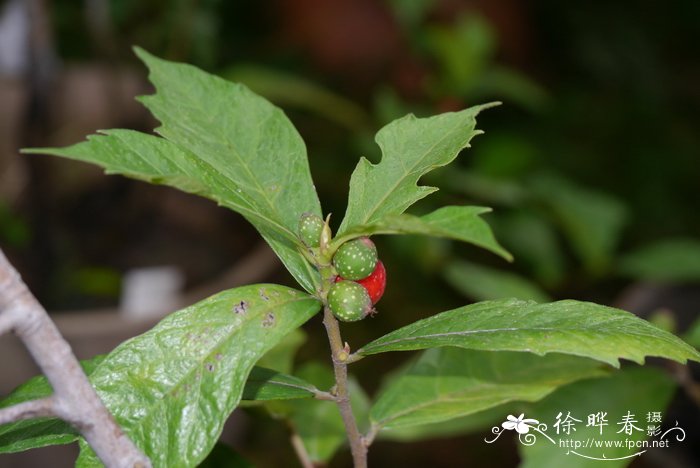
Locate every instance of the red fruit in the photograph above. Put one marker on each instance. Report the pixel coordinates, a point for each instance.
(375, 283)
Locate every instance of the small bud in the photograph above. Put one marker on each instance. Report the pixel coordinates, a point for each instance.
(326, 234)
(310, 229)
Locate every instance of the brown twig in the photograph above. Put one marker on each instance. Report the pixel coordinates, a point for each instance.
(326, 396)
(340, 368)
(301, 452)
(371, 435)
(681, 373)
(27, 410)
(74, 400)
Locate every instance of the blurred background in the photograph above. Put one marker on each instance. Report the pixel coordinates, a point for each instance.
(592, 166)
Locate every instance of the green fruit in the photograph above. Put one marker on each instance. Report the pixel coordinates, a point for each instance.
(310, 228)
(349, 301)
(356, 259)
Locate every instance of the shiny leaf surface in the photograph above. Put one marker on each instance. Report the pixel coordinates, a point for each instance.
(570, 327)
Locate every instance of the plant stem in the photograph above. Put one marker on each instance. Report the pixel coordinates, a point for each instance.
(681, 373)
(371, 434)
(321, 395)
(73, 400)
(354, 357)
(340, 368)
(28, 409)
(301, 452)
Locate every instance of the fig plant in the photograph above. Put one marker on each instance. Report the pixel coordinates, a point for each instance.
(172, 388)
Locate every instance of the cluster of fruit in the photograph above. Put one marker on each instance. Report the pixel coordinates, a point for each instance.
(360, 276)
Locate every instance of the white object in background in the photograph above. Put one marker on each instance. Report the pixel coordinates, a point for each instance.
(14, 38)
(151, 292)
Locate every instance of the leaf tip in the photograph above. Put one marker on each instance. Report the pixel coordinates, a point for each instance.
(38, 150)
(488, 105)
(142, 54)
(151, 61)
(507, 256)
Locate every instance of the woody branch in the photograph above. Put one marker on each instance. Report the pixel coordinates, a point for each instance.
(74, 400)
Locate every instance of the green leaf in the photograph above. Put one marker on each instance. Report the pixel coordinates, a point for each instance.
(484, 283)
(637, 390)
(461, 223)
(281, 357)
(172, 388)
(38, 432)
(261, 385)
(222, 142)
(570, 327)
(317, 422)
(267, 384)
(671, 260)
(591, 220)
(447, 383)
(239, 133)
(411, 147)
(450, 428)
